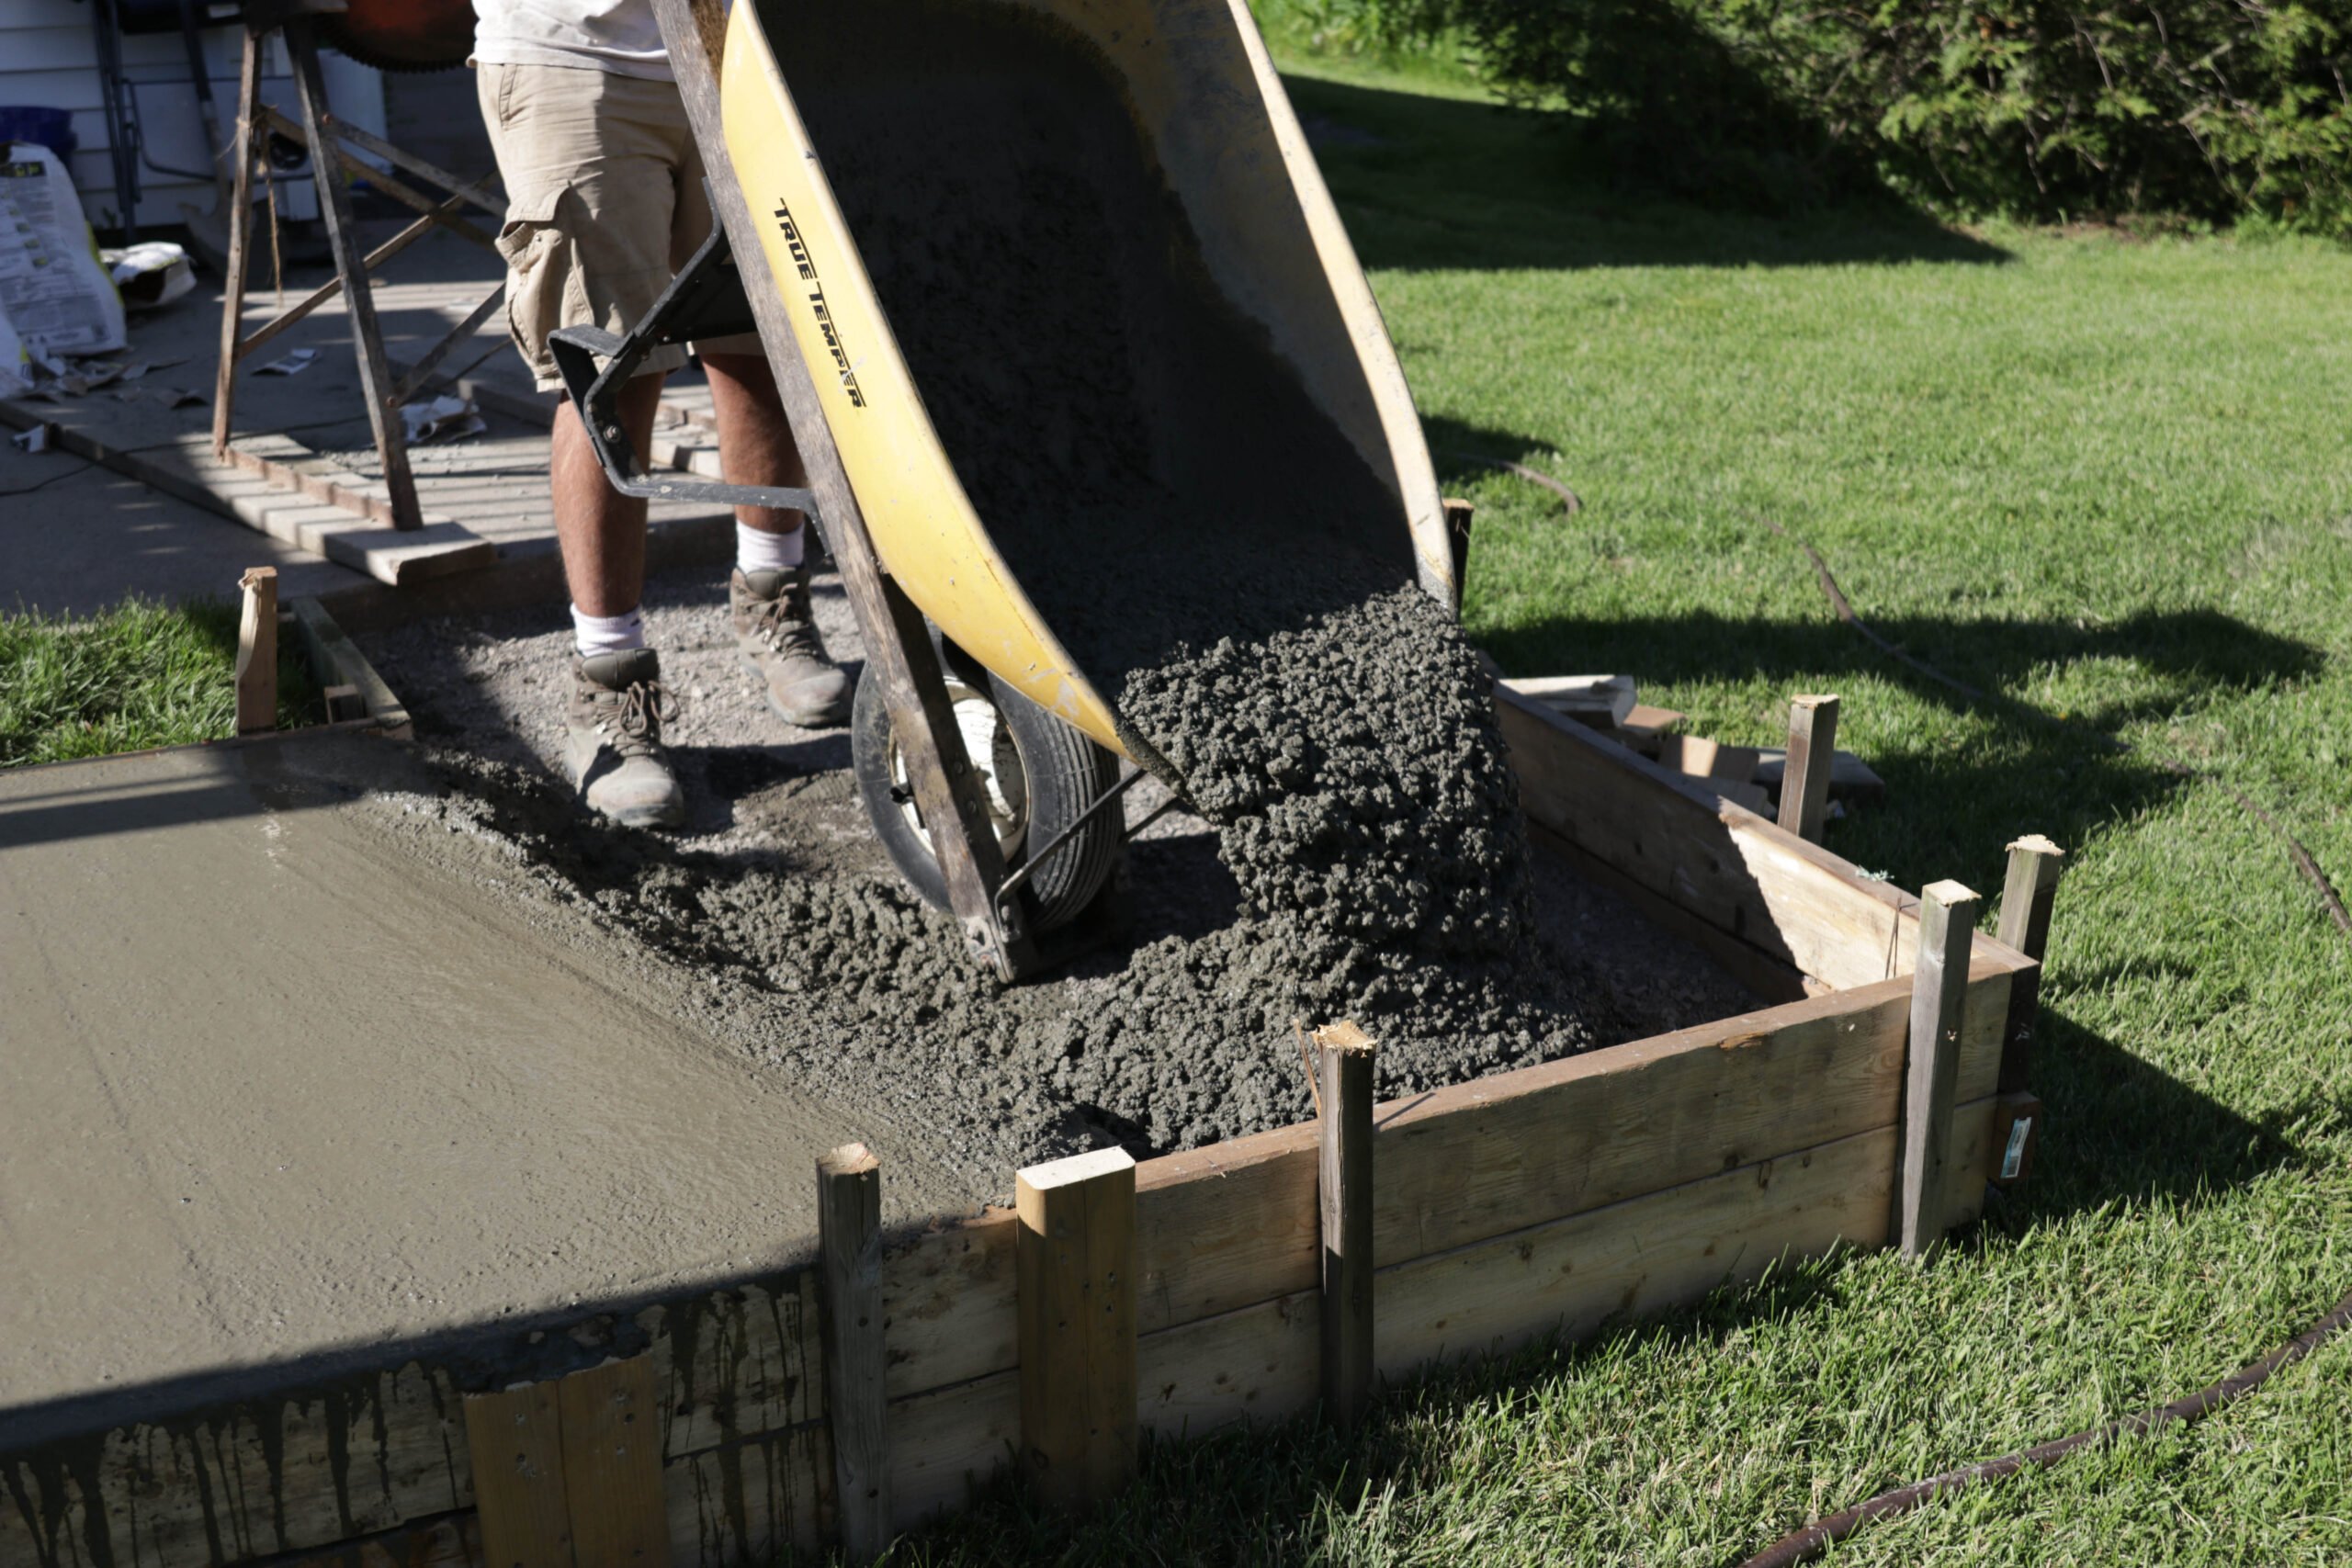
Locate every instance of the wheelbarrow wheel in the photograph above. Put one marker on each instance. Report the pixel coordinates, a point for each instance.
(1038, 773)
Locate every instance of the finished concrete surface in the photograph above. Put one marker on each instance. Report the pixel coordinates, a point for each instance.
(279, 1086)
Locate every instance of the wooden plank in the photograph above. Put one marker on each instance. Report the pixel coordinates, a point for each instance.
(1258, 1364)
(1770, 979)
(1931, 1069)
(1792, 901)
(749, 1502)
(515, 1438)
(1648, 1254)
(1235, 1223)
(336, 662)
(1076, 1266)
(451, 1541)
(1602, 702)
(1663, 1250)
(257, 671)
(255, 1480)
(612, 1464)
(848, 1231)
(1697, 757)
(739, 1362)
(947, 1444)
(261, 486)
(1813, 752)
(2028, 893)
(1344, 1069)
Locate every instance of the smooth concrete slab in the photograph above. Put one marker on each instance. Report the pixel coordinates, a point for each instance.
(290, 1077)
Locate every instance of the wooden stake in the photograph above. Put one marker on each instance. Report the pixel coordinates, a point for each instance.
(1813, 752)
(849, 1241)
(1939, 986)
(1075, 1270)
(515, 1438)
(2027, 898)
(257, 653)
(1344, 1067)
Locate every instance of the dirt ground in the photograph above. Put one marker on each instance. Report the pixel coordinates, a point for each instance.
(815, 959)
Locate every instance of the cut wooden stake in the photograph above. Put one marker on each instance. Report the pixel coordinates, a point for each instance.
(1813, 751)
(514, 1440)
(1074, 1267)
(257, 653)
(1939, 986)
(849, 1241)
(1344, 1067)
(612, 1465)
(2027, 898)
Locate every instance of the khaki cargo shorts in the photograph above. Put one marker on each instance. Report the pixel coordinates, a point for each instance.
(604, 203)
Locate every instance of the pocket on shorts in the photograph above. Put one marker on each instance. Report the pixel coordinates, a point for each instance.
(531, 242)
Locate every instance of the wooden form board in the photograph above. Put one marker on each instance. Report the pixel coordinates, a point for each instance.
(1504, 1209)
(275, 484)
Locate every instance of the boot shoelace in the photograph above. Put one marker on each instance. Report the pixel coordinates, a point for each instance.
(785, 624)
(634, 715)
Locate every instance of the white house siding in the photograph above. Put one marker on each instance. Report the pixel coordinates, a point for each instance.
(49, 59)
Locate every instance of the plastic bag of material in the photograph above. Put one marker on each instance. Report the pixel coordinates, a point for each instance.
(53, 285)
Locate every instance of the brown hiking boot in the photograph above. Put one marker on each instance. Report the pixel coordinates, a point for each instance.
(612, 739)
(777, 634)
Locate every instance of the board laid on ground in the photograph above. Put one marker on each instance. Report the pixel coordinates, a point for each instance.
(712, 1427)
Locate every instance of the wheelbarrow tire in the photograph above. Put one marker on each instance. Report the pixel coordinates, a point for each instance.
(1062, 773)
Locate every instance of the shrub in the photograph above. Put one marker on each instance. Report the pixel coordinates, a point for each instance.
(2210, 110)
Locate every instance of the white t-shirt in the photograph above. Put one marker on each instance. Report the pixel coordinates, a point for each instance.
(618, 35)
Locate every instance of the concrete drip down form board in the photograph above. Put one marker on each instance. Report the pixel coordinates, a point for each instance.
(1623, 1181)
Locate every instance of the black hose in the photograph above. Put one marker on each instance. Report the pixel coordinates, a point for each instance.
(1802, 1546)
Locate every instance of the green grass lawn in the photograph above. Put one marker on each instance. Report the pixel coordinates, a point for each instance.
(2106, 478)
(140, 675)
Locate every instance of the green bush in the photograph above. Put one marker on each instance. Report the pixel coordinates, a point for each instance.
(2207, 109)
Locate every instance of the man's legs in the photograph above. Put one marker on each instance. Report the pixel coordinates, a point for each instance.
(775, 631)
(601, 531)
(589, 162)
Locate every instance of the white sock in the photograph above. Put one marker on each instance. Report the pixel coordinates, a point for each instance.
(758, 551)
(606, 634)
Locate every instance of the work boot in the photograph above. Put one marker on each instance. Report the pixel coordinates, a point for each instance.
(777, 634)
(612, 739)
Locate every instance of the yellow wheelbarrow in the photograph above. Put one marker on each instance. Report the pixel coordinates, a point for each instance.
(971, 712)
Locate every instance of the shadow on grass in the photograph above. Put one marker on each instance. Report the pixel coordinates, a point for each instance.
(1949, 810)
(1430, 184)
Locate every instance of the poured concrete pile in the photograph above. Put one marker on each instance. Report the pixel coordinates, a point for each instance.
(1205, 541)
(1217, 557)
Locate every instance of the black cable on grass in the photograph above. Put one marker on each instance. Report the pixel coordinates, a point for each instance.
(1804, 1545)
(1534, 476)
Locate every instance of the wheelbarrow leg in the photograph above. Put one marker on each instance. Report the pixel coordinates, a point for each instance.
(947, 789)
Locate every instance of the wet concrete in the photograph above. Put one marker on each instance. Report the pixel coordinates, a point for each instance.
(282, 1076)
